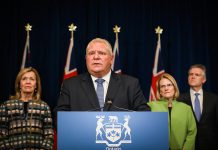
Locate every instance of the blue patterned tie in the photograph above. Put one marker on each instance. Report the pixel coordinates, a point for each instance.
(100, 92)
(197, 107)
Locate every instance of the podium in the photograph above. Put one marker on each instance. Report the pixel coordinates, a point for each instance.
(112, 130)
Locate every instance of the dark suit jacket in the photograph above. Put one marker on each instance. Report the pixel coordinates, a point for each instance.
(78, 94)
(207, 127)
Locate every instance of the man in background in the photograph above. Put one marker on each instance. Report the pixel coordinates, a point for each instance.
(205, 108)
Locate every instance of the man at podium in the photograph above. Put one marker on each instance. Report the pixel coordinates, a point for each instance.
(100, 89)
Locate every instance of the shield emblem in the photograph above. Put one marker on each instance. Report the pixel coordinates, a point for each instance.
(113, 132)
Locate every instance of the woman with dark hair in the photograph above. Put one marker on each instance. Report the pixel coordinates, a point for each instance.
(25, 120)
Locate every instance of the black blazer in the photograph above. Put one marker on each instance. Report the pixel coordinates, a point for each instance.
(207, 127)
(78, 94)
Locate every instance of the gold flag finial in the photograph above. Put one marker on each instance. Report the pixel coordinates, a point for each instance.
(116, 29)
(72, 27)
(28, 27)
(158, 30)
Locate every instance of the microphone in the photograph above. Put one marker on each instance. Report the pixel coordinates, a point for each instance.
(96, 109)
(110, 104)
(106, 107)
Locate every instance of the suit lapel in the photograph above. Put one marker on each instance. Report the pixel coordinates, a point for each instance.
(189, 102)
(89, 90)
(205, 104)
(113, 87)
(188, 98)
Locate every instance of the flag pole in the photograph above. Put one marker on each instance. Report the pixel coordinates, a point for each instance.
(158, 31)
(72, 28)
(28, 28)
(116, 30)
(157, 70)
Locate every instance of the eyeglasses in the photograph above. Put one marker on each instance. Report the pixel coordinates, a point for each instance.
(167, 85)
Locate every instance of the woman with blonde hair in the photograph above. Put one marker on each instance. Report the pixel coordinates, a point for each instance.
(181, 122)
(25, 120)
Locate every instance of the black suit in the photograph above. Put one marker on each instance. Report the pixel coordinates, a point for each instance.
(207, 127)
(78, 94)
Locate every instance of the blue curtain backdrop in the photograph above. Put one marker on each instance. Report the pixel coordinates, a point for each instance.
(189, 37)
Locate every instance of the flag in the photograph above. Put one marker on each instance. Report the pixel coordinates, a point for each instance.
(26, 53)
(116, 66)
(55, 140)
(158, 70)
(70, 69)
